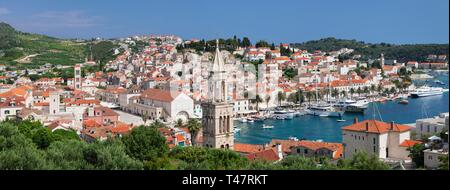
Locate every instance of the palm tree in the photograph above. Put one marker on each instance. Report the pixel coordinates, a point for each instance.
(359, 91)
(300, 96)
(258, 100)
(194, 127)
(335, 93)
(366, 90)
(372, 88)
(352, 91)
(380, 88)
(344, 93)
(267, 101)
(281, 97)
(393, 90)
(309, 96)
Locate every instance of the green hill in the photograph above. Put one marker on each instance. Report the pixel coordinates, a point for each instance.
(402, 53)
(32, 50)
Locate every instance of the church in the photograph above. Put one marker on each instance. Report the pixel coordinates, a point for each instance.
(217, 120)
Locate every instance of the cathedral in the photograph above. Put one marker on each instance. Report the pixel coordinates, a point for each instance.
(217, 120)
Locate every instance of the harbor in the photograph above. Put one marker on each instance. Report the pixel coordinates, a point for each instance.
(401, 109)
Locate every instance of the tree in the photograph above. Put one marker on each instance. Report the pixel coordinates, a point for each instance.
(246, 42)
(393, 90)
(281, 97)
(258, 100)
(309, 96)
(352, 91)
(195, 158)
(300, 96)
(61, 134)
(380, 88)
(443, 162)
(366, 90)
(144, 117)
(344, 93)
(261, 43)
(194, 127)
(359, 91)
(372, 88)
(179, 123)
(267, 100)
(362, 161)
(145, 143)
(335, 93)
(289, 73)
(42, 137)
(272, 46)
(417, 155)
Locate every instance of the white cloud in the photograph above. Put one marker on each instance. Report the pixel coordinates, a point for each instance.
(4, 11)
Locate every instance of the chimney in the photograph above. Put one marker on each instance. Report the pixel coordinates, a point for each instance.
(355, 120)
(392, 125)
(279, 151)
(367, 126)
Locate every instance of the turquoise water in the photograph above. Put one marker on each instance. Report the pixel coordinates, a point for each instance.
(328, 129)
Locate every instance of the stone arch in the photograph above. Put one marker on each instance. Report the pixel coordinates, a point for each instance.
(183, 115)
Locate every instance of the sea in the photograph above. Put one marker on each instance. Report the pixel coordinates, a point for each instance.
(328, 129)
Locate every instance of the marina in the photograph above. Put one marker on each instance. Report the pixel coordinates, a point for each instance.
(400, 109)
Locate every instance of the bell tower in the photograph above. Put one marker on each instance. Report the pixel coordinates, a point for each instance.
(217, 120)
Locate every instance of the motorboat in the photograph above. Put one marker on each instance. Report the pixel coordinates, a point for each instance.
(267, 126)
(284, 114)
(243, 120)
(427, 91)
(324, 110)
(404, 101)
(236, 130)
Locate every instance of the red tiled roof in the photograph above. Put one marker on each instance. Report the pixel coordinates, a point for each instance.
(247, 148)
(409, 143)
(375, 126)
(160, 95)
(269, 155)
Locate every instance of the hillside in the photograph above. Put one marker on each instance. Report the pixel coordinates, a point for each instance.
(32, 50)
(402, 53)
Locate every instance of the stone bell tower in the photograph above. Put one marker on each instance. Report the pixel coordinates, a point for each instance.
(217, 120)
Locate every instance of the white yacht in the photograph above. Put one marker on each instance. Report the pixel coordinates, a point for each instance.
(267, 126)
(427, 91)
(324, 110)
(283, 114)
(349, 105)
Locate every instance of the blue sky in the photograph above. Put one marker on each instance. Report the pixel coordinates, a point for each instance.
(392, 21)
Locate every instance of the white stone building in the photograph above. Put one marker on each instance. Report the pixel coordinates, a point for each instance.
(384, 140)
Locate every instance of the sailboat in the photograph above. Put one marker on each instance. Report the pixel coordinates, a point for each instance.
(323, 109)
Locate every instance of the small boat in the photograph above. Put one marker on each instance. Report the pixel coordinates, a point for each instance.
(439, 82)
(267, 126)
(404, 101)
(279, 117)
(243, 120)
(293, 138)
(340, 119)
(236, 130)
(250, 120)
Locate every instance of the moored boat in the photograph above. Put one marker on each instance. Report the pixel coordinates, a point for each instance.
(427, 91)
